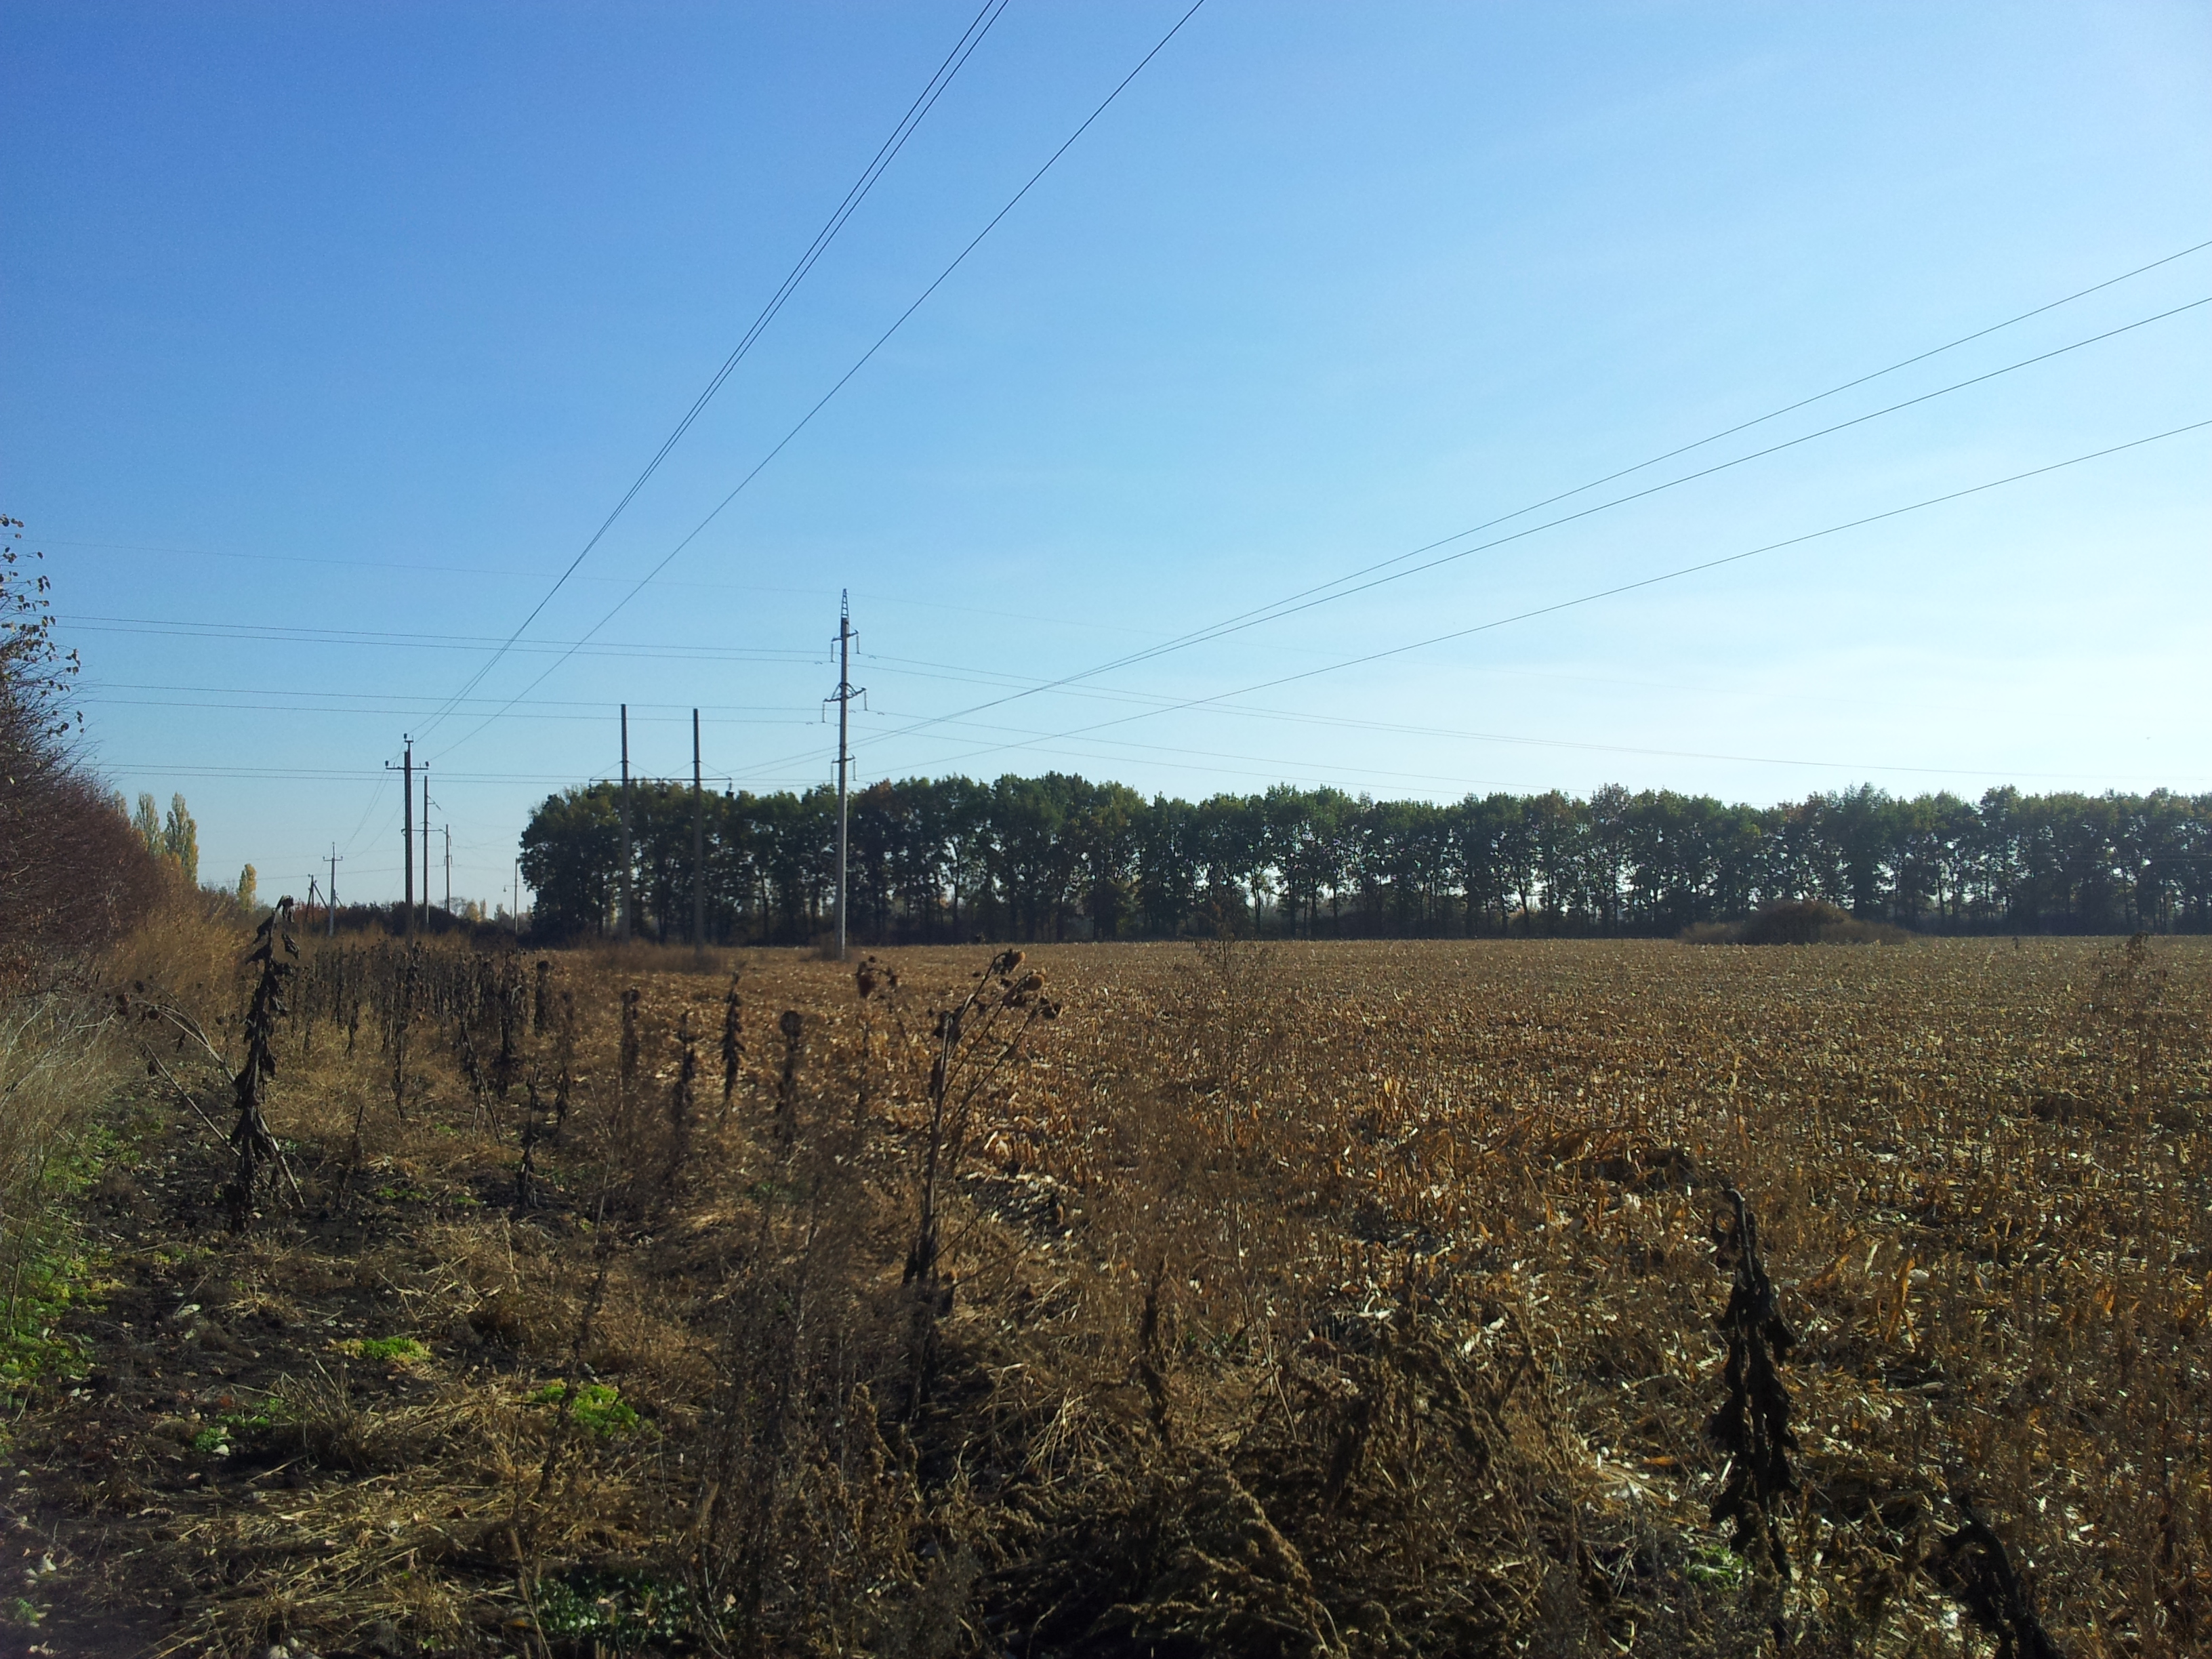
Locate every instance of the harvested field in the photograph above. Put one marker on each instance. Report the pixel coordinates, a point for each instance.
(1307, 1299)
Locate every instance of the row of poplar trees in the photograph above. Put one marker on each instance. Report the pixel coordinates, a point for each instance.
(1060, 857)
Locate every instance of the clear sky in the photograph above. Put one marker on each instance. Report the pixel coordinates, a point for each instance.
(332, 334)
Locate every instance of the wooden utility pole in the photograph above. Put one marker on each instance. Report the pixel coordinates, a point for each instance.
(698, 851)
(407, 831)
(622, 922)
(333, 931)
(843, 696)
(449, 869)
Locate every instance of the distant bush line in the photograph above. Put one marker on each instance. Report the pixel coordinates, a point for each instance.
(1059, 857)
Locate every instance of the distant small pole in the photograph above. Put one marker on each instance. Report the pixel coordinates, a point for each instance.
(449, 869)
(514, 912)
(622, 922)
(698, 851)
(332, 932)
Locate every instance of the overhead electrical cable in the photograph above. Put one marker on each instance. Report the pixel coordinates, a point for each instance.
(287, 635)
(924, 102)
(388, 702)
(1608, 592)
(882, 340)
(1351, 583)
(718, 715)
(1546, 743)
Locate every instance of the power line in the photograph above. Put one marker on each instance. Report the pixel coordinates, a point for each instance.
(1044, 738)
(365, 775)
(882, 340)
(963, 49)
(1156, 703)
(215, 630)
(373, 712)
(1615, 591)
(417, 570)
(1286, 608)
(597, 706)
(1346, 586)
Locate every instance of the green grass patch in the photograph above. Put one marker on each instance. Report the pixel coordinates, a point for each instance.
(221, 1437)
(391, 1350)
(45, 1271)
(598, 1407)
(1717, 1567)
(615, 1610)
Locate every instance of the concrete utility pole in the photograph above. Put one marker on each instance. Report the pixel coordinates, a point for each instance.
(407, 830)
(622, 922)
(333, 931)
(698, 851)
(843, 696)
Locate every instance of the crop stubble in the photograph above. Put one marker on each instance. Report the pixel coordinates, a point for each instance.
(1372, 1288)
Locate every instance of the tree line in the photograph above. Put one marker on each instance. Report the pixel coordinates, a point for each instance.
(1060, 857)
(72, 874)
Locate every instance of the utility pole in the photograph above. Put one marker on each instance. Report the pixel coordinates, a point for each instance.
(698, 852)
(514, 915)
(622, 922)
(311, 899)
(426, 846)
(843, 696)
(332, 932)
(449, 869)
(407, 830)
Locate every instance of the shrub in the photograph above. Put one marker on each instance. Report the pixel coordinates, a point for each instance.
(1796, 921)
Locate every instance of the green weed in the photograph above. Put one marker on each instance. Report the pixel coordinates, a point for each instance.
(393, 1350)
(598, 1407)
(617, 1611)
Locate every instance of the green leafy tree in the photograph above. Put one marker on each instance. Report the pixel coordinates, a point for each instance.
(1025, 858)
(571, 854)
(147, 823)
(180, 840)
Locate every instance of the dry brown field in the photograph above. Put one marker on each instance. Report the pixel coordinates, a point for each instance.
(1316, 1299)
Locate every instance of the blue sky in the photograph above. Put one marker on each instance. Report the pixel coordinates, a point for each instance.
(333, 332)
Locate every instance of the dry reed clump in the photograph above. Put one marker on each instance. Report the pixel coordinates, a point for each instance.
(1338, 1299)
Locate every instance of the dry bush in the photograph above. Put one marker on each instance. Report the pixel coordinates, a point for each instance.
(1797, 922)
